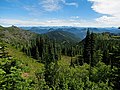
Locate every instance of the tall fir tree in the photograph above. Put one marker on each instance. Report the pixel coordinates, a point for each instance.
(87, 48)
(92, 52)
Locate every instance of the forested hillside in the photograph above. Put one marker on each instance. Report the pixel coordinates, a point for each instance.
(30, 61)
(63, 36)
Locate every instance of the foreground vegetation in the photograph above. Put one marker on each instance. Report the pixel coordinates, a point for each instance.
(40, 63)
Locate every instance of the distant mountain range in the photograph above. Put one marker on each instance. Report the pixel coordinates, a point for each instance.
(78, 31)
(14, 35)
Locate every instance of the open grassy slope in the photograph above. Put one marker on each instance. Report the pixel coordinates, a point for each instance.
(32, 64)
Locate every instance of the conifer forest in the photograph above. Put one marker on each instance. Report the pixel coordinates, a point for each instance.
(36, 62)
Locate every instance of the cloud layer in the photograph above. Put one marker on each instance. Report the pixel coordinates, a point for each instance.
(110, 10)
(53, 5)
(52, 22)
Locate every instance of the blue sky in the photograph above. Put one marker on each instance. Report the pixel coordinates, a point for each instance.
(81, 13)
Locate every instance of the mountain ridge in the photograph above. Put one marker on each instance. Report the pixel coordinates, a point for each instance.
(78, 31)
(61, 36)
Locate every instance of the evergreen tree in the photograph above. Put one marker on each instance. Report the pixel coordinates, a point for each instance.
(87, 48)
(93, 59)
(106, 57)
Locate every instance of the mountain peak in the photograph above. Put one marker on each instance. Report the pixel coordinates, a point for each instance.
(14, 26)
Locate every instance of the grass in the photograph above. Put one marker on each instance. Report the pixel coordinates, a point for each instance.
(32, 64)
(116, 37)
(65, 59)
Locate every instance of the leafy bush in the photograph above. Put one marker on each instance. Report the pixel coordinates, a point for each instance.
(11, 76)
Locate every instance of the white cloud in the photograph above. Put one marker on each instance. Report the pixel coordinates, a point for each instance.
(75, 17)
(29, 8)
(70, 4)
(110, 10)
(109, 20)
(53, 5)
(52, 22)
(8, 22)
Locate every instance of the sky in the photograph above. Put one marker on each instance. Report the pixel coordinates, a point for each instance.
(79, 13)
